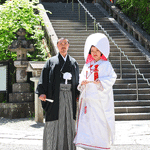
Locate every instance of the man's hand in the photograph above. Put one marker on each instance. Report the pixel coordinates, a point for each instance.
(42, 97)
(77, 100)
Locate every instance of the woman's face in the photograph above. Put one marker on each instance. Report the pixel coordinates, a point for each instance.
(95, 53)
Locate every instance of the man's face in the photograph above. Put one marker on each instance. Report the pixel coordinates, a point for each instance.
(63, 46)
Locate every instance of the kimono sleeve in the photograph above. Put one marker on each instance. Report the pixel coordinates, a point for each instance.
(43, 81)
(109, 78)
(81, 78)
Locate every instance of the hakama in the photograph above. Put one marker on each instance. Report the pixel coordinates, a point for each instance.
(59, 134)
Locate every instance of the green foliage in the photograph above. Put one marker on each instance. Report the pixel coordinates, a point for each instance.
(4, 101)
(138, 11)
(18, 14)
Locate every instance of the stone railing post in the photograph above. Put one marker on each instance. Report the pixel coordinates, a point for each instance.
(36, 68)
(37, 103)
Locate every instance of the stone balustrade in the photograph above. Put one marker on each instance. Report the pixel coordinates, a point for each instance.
(127, 24)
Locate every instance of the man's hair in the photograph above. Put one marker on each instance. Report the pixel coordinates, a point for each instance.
(62, 39)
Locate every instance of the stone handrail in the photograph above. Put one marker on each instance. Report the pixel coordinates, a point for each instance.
(127, 24)
(50, 34)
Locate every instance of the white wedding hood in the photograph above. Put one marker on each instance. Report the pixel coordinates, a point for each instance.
(98, 40)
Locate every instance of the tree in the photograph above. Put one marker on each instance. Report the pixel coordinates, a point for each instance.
(138, 11)
(16, 14)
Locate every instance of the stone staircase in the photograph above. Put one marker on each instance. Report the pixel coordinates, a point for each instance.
(66, 24)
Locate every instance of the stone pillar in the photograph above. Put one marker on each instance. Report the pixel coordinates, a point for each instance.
(21, 90)
(37, 103)
(36, 67)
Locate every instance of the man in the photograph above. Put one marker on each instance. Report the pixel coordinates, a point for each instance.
(58, 82)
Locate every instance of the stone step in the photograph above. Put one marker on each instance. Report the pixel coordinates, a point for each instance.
(82, 28)
(132, 91)
(80, 24)
(132, 116)
(122, 44)
(128, 69)
(132, 75)
(80, 48)
(129, 81)
(127, 62)
(130, 85)
(130, 66)
(116, 57)
(81, 40)
(122, 40)
(113, 49)
(125, 66)
(75, 41)
(132, 70)
(82, 61)
(75, 35)
(79, 45)
(126, 72)
(74, 53)
(124, 58)
(131, 97)
(73, 17)
(83, 32)
(135, 109)
(126, 53)
(54, 20)
(126, 103)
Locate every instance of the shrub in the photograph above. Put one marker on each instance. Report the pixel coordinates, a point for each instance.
(138, 11)
(18, 14)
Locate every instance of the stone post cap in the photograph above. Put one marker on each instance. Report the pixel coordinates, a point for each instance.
(35, 67)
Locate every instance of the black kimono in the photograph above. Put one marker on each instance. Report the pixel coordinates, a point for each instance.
(49, 84)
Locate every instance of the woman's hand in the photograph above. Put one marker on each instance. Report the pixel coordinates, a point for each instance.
(84, 82)
(42, 97)
(96, 81)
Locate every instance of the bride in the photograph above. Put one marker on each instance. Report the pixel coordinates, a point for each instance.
(95, 125)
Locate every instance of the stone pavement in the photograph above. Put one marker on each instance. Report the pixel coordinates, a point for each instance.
(26, 134)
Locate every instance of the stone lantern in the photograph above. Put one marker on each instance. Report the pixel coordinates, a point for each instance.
(21, 96)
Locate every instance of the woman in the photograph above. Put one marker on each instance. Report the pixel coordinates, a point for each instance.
(96, 122)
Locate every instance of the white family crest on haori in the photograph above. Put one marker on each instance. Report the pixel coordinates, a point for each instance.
(67, 76)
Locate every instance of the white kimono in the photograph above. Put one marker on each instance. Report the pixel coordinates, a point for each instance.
(95, 125)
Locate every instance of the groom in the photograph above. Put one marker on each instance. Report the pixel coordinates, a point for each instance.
(49, 88)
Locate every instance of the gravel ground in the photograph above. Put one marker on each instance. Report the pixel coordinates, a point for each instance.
(26, 134)
(20, 134)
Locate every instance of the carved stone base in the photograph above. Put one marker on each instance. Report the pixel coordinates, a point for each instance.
(21, 97)
(17, 110)
(21, 87)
